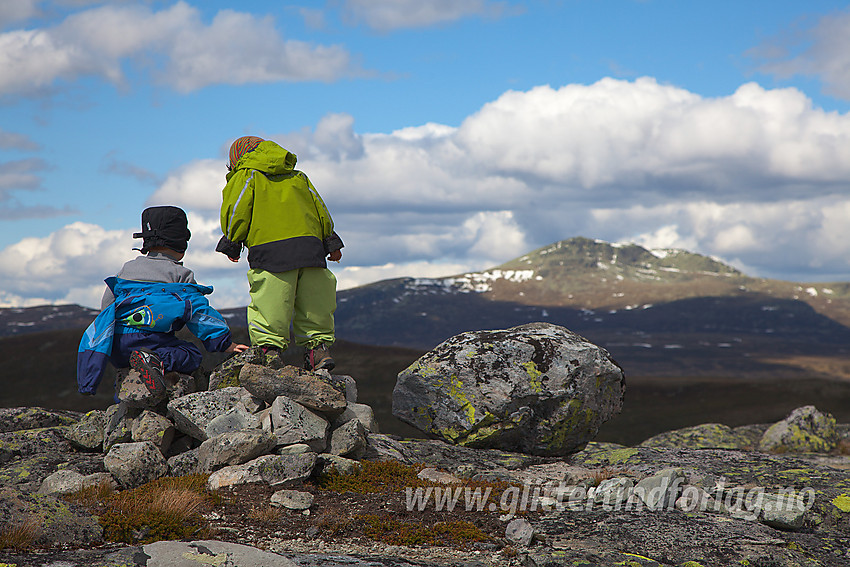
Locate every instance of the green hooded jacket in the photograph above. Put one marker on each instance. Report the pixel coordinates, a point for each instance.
(274, 210)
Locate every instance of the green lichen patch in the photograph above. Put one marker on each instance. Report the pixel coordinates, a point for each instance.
(842, 502)
(576, 424)
(609, 457)
(534, 376)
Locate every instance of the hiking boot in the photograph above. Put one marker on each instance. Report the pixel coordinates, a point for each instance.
(272, 356)
(150, 369)
(319, 358)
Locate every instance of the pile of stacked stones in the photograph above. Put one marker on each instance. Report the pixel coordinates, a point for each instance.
(257, 420)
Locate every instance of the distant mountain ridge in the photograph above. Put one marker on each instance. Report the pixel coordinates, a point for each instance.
(668, 312)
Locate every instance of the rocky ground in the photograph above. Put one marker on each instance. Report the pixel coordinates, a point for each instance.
(546, 511)
(262, 464)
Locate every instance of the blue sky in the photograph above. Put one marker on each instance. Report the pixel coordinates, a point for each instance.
(444, 136)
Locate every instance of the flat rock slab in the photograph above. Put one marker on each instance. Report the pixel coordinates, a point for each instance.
(299, 385)
(210, 552)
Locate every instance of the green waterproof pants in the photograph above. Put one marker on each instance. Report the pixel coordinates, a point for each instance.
(305, 297)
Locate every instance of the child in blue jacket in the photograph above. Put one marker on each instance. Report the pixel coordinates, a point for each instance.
(147, 301)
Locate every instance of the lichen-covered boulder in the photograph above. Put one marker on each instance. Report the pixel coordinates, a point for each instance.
(704, 436)
(805, 430)
(537, 388)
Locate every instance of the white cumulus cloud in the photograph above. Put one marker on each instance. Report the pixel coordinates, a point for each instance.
(757, 177)
(185, 52)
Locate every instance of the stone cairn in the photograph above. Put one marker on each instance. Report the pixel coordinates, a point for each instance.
(258, 420)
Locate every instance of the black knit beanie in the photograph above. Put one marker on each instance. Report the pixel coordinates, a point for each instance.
(164, 226)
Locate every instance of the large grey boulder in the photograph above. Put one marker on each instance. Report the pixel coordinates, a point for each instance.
(805, 430)
(208, 552)
(537, 388)
(52, 521)
(118, 424)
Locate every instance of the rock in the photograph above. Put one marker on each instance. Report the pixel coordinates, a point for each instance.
(271, 469)
(361, 412)
(349, 440)
(33, 442)
(185, 463)
(63, 481)
(381, 447)
(661, 490)
(294, 449)
(178, 385)
(234, 448)
(431, 474)
(336, 463)
(67, 481)
(292, 499)
(519, 532)
(705, 436)
(227, 373)
(87, 433)
(134, 464)
(118, 424)
(50, 520)
(349, 387)
(782, 511)
(537, 388)
(805, 430)
(193, 413)
(612, 492)
(133, 392)
(293, 423)
(233, 420)
(296, 384)
(17, 419)
(207, 552)
(157, 429)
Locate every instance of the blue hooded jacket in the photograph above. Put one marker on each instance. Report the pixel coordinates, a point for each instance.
(145, 307)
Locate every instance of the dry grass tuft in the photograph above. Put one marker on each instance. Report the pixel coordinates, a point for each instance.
(91, 496)
(167, 508)
(265, 514)
(21, 536)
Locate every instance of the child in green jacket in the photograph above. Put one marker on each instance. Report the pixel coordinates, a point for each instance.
(272, 209)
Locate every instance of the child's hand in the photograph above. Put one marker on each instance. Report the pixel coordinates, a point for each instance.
(236, 347)
(234, 260)
(335, 256)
